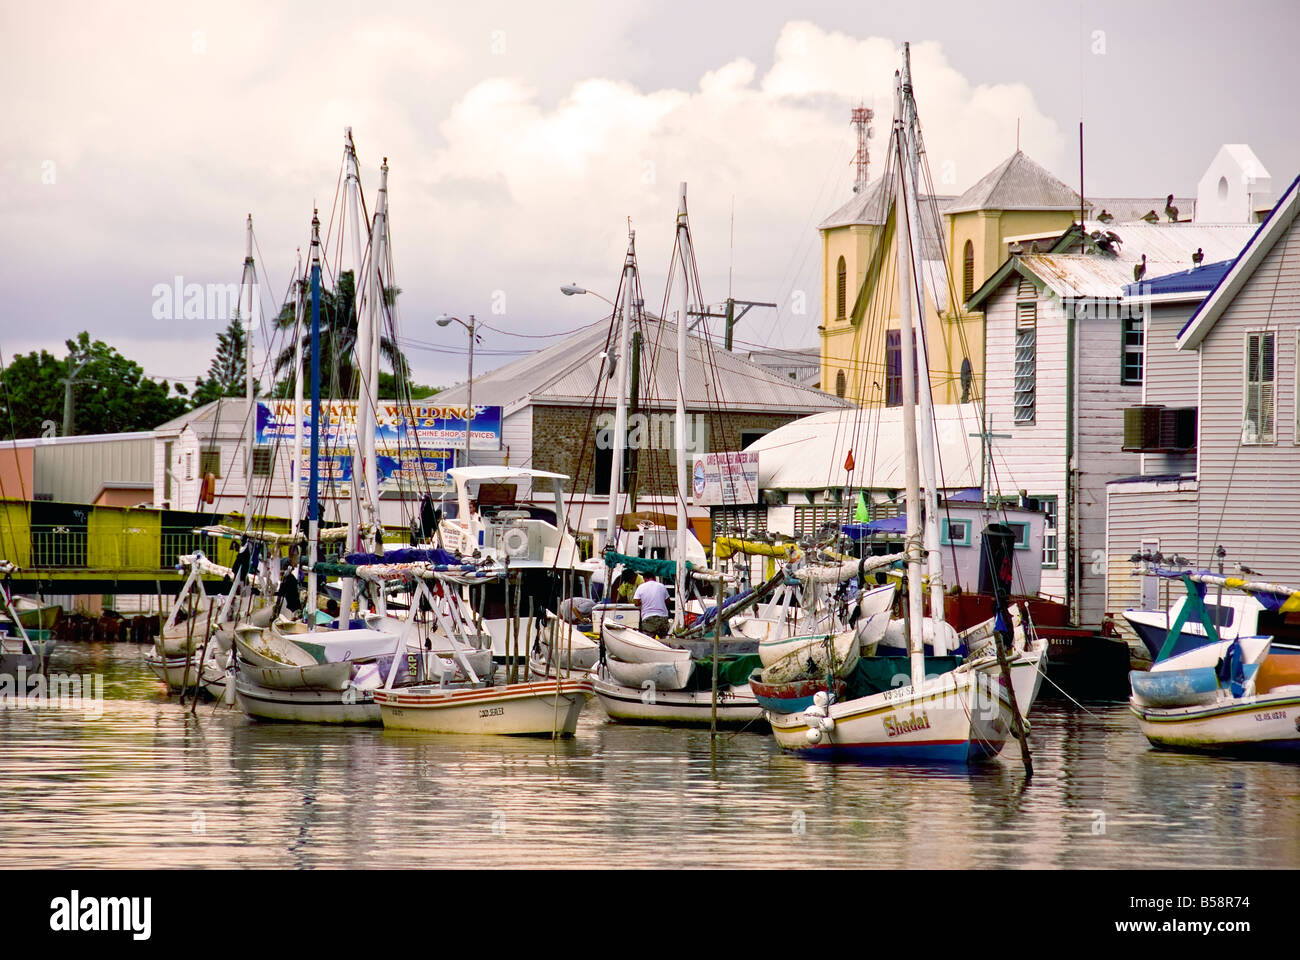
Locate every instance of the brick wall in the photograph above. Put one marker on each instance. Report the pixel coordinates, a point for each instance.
(564, 442)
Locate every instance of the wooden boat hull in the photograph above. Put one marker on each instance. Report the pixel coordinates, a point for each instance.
(792, 697)
(737, 706)
(532, 708)
(318, 676)
(38, 617)
(663, 676)
(344, 707)
(789, 659)
(1262, 724)
(1190, 679)
(172, 671)
(958, 717)
(633, 646)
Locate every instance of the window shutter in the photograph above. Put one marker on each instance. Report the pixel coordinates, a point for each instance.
(841, 289)
(968, 271)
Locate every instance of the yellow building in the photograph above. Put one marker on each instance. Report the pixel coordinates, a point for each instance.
(861, 344)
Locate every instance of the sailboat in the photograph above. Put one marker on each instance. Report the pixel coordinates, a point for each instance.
(939, 710)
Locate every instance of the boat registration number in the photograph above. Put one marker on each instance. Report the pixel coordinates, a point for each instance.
(492, 712)
(1272, 715)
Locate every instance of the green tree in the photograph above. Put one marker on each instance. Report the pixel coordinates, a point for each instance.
(340, 378)
(227, 371)
(110, 393)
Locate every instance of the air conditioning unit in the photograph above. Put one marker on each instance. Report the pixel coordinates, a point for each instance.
(1178, 429)
(1142, 427)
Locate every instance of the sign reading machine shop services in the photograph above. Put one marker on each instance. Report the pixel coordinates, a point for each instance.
(725, 479)
(412, 441)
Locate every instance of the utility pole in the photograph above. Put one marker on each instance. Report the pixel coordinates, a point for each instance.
(729, 315)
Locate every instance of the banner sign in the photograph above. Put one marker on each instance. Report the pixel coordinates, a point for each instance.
(725, 479)
(414, 444)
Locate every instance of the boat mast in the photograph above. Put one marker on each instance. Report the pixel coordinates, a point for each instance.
(247, 286)
(926, 441)
(620, 411)
(683, 315)
(295, 465)
(352, 198)
(369, 357)
(912, 546)
(313, 503)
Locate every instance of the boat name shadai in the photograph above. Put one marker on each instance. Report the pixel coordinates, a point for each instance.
(896, 728)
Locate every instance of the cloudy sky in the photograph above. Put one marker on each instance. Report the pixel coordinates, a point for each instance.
(522, 136)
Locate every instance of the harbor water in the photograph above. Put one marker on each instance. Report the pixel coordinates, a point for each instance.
(149, 785)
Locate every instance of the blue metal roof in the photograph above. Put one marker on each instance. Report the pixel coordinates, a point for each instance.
(1200, 279)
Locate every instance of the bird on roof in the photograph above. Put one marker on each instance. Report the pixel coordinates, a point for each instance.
(1198, 256)
(1140, 270)
(1105, 217)
(1151, 217)
(1015, 248)
(1170, 210)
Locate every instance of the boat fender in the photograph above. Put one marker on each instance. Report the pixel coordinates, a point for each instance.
(827, 724)
(813, 735)
(816, 710)
(820, 699)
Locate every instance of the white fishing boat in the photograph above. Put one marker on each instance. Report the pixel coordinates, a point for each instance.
(1192, 678)
(349, 706)
(796, 657)
(1259, 724)
(672, 675)
(531, 708)
(184, 673)
(632, 646)
(736, 706)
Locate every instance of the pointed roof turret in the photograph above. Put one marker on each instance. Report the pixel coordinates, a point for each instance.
(1017, 183)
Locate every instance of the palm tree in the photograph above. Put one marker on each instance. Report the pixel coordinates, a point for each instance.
(340, 378)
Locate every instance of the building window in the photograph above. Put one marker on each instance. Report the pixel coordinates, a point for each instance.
(967, 272)
(210, 462)
(841, 288)
(189, 464)
(1131, 368)
(1021, 530)
(954, 533)
(841, 384)
(1258, 419)
(1026, 355)
(262, 461)
(894, 366)
(1048, 506)
(751, 436)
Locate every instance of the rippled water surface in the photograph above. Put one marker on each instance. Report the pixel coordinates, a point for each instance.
(150, 785)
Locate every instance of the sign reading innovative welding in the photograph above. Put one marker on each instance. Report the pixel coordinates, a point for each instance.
(412, 441)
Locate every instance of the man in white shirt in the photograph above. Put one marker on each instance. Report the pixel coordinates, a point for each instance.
(651, 599)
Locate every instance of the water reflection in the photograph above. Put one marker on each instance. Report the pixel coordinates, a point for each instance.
(150, 785)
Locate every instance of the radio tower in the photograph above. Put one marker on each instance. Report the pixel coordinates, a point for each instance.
(861, 120)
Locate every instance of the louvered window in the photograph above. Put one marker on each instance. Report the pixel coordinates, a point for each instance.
(1026, 357)
(968, 272)
(210, 462)
(841, 289)
(262, 461)
(1259, 389)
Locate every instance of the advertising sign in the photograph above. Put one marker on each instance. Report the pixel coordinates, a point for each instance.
(725, 479)
(414, 444)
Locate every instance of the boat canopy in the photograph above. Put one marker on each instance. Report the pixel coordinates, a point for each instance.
(860, 531)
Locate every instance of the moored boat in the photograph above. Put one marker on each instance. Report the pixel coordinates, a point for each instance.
(530, 708)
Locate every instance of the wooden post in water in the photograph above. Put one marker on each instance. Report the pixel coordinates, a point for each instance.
(717, 629)
(1017, 723)
(519, 584)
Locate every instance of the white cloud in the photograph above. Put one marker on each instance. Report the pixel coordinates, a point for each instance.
(499, 181)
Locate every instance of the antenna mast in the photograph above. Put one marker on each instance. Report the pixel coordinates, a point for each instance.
(861, 118)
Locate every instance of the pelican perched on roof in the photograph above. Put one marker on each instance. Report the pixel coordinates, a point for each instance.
(1170, 210)
(1140, 270)
(1198, 256)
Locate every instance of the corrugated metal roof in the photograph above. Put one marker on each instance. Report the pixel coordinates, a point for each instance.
(1075, 275)
(1017, 183)
(1169, 246)
(569, 372)
(1200, 279)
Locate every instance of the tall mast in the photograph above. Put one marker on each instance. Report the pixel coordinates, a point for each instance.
(369, 357)
(295, 465)
(926, 440)
(620, 411)
(683, 317)
(313, 504)
(915, 600)
(352, 197)
(247, 288)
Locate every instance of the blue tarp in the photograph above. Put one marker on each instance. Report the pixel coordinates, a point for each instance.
(860, 531)
(435, 555)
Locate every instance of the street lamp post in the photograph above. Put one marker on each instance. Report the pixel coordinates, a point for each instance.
(570, 289)
(443, 321)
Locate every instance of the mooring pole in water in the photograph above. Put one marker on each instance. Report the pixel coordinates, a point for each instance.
(717, 628)
(1017, 723)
